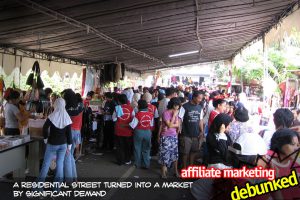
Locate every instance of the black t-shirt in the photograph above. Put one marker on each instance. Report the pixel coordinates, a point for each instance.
(109, 108)
(191, 120)
(57, 136)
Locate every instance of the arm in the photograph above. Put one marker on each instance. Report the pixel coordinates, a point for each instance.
(18, 114)
(134, 123)
(173, 123)
(222, 147)
(159, 129)
(69, 138)
(75, 111)
(69, 135)
(179, 127)
(201, 126)
(114, 116)
(45, 129)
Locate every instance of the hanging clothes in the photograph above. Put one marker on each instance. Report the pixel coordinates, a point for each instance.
(118, 73)
(123, 70)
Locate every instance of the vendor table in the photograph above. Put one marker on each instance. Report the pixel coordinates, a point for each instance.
(13, 159)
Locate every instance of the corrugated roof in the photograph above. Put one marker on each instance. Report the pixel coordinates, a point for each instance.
(155, 28)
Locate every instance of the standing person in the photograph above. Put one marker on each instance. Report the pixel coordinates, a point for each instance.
(75, 110)
(53, 97)
(45, 100)
(283, 118)
(143, 124)
(170, 93)
(155, 96)
(122, 116)
(207, 108)
(239, 126)
(12, 114)
(88, 98)
(218, 142)
(134, 104)
(140, 90)
(108, 130)
(220, 107)
(59, 140)
(168, 140)
(151, 108)
(192, 129)
(129, 93)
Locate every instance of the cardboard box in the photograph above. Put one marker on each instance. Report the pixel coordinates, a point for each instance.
(36, 127)
(36, 132)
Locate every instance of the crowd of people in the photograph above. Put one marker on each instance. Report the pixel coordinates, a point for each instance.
(182, 127)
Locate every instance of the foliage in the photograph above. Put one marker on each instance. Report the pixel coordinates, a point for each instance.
(278, 64)
(221, 71)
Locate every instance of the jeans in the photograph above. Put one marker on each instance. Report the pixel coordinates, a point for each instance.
(51, 151)
(69, 163)
(142, 146)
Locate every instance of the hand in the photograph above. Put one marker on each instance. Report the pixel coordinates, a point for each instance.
(69, 149)
(175, 112)
(158, 139)
(201, 135)
(222, 128)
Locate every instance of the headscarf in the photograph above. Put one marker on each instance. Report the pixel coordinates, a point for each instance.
(59, 117)
(147, 97)
(129, 94)
(135, 99)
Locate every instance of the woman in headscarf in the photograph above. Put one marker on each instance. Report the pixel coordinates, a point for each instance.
(134, 104)
(58, 140)
(129, 93)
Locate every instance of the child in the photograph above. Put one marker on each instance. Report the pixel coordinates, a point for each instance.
(142, 123)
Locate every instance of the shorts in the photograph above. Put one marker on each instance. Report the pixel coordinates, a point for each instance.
(189, 145)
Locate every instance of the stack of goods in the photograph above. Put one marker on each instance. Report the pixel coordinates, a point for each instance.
(3, 144)
(13, 140)
(24, 138)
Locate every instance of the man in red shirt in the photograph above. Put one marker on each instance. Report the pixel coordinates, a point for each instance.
(220, 107)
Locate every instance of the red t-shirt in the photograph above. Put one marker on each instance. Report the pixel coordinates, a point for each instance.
(212, 116)
(76, 122)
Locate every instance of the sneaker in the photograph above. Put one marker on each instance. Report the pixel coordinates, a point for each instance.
(128, 163)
